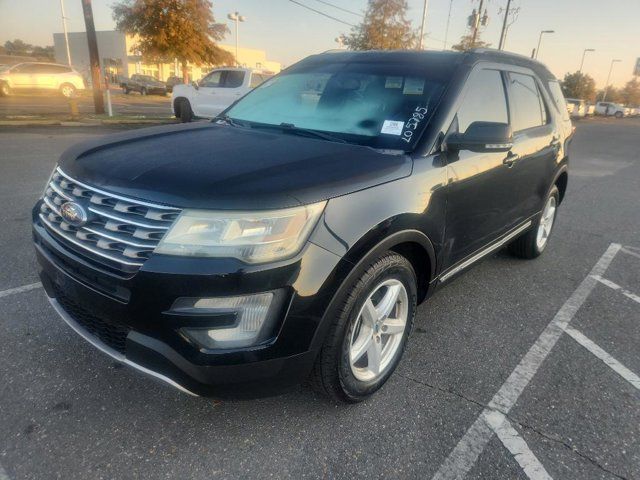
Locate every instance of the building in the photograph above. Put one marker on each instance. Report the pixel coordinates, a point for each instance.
(118, 57)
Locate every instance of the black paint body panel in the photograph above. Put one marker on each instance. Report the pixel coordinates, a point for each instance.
(446, 206)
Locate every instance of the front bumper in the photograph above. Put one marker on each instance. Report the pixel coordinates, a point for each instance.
(127, 317)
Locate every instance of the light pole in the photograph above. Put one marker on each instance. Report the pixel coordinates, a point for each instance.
(446, 31)
(540, 40)
(503, 33)
(64, 29)
(583, 54)
(236, 17)
(424, 20)
(606, 86)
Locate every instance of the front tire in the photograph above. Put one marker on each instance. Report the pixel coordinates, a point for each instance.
(619, 115)
(186, 114)
(143, 91)
(368, 336)
(5, 90)
(532, 243)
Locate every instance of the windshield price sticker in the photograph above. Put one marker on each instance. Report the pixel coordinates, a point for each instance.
(414, 121)
(392, 127)
(393, 82)
(413, 86)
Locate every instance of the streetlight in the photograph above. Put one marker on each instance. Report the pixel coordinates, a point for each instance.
(64, 29)
(583, 54)
(540, 40)
(606, 86)
(236, 17)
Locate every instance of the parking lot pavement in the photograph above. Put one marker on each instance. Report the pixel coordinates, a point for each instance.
(516, 370)
(48, 104)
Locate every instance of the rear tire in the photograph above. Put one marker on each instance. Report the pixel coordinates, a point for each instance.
(143, 91)
(5, 90)
(186, 114)
(532, 243)
(387, 285)
(125, 90)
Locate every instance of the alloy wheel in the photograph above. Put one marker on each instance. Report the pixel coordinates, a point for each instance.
(546, 223)
(378, 330)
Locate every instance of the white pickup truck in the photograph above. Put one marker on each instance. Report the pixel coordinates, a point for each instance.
(215, 92)
(611, 109)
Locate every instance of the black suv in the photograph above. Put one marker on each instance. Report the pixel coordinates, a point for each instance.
(294, 236)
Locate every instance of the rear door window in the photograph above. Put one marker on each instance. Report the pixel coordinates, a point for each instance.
(233, 79)
(529, 110)
(484, 100)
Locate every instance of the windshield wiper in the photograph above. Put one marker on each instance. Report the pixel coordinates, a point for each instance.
(290, 127)
(229, 120)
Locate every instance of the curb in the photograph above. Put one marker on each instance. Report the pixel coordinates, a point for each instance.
(84, 123)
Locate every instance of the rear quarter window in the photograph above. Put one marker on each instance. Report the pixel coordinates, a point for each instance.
(558, 99)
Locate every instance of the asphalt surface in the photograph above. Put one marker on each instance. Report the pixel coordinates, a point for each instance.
(69, 412)
(20, 104)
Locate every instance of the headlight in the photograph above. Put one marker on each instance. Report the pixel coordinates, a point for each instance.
(253, 237)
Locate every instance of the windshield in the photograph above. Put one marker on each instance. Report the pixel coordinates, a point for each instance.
(379, 105)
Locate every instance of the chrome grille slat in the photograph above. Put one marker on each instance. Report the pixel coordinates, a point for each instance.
(122, 230)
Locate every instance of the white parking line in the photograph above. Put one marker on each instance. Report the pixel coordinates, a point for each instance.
(466, 452)
(615, 365)
(517, 446)
(23, 288)
(628, 251)
(615, 286)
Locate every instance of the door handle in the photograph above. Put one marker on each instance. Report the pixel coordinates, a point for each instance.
(510, 159)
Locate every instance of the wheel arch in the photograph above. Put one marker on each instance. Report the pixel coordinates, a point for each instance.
(561, 181)
(412, 244)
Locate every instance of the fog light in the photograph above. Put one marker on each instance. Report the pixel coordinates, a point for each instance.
(250, 327)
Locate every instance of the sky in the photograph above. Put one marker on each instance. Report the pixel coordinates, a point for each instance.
(289, 32)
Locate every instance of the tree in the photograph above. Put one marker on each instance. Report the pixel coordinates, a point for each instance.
(579, 85)
(466, 43)
(631, 93)
(44, 53)
(613, 95)
(17, 47)
(168, 29)
(384, 27)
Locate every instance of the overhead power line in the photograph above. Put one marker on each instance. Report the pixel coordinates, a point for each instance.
(321, 13)
(340, 8)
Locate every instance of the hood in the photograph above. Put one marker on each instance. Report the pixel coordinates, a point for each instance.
(210, 166)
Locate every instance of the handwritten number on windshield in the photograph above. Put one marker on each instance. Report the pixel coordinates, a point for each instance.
(412, 124)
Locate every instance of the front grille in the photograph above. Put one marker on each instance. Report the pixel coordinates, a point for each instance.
(120, 232)
(114, 336)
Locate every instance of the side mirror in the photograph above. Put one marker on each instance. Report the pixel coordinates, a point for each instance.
(195, 84)
(482, 137)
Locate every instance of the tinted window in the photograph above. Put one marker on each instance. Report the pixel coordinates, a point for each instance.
(54, 69)
(484, 101)
(528, 107)
(26, 68)
(233, 79)
(211, 80)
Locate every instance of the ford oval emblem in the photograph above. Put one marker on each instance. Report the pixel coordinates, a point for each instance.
(74, 214)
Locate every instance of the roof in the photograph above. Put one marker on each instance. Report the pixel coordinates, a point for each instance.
(433, 57)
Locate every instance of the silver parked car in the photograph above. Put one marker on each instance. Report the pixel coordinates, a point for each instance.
(33, 76)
